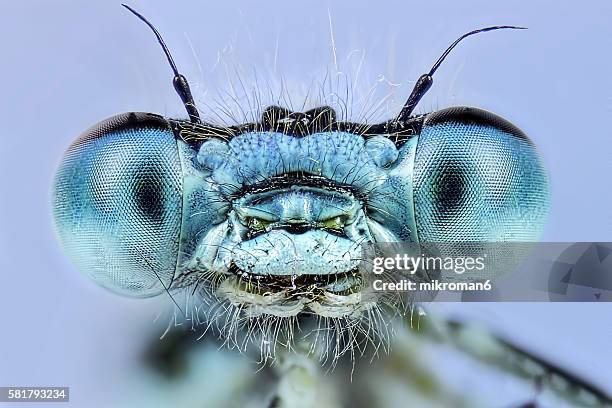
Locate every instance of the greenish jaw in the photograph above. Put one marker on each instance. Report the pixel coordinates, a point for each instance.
(292, 251)
(277, 223)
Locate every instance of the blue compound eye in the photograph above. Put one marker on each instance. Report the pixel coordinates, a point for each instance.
(477, 178)
(117, 201)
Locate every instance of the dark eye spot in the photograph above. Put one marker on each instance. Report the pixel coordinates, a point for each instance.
(148, 193)
(450, 188)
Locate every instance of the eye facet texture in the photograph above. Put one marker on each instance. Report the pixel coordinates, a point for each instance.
(117, 202)
(478, 180)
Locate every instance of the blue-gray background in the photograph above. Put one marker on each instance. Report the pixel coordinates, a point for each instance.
(66, 65)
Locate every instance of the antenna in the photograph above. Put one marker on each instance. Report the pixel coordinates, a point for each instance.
(426, 80)
(180, 82)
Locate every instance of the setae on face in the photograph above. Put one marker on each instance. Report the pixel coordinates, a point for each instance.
(264, 223)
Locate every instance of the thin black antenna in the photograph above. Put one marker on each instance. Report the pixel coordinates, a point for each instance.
(425, 81)
(180, 82)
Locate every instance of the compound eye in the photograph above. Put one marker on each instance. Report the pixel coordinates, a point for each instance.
(117, 200)
(477, 178)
